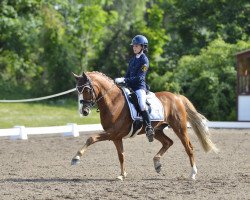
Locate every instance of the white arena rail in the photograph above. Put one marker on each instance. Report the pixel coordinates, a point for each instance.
(71, 129)
(233, 125)
(22, 132)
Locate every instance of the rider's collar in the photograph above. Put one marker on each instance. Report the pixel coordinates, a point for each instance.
(139, 54)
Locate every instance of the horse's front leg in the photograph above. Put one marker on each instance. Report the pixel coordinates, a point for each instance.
(91, 140)
(120, 152)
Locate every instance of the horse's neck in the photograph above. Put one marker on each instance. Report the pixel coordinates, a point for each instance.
(110, 100)
(109, 96)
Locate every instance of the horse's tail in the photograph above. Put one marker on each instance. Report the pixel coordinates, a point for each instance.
(198, 123)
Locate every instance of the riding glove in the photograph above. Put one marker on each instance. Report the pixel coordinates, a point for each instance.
(119, 80)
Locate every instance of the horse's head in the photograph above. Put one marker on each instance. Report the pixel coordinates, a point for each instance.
(86, 93)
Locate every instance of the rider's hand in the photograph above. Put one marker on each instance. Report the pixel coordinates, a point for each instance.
(119, 80)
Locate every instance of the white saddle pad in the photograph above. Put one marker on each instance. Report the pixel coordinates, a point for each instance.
(156, 109)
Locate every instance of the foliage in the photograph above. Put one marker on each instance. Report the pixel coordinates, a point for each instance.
(113, 59)
(193, 24)
(43, 41)
(18, 60)
(209, 79)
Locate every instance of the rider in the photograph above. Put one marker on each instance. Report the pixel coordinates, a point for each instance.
(135, 79)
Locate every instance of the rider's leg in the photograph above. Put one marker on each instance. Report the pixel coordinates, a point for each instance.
(149, 129)
(141, 94)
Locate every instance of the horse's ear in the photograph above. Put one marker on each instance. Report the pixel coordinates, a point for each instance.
(76, 76)
(84, 75)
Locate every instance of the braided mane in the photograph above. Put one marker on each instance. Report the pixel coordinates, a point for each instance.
(102, 74)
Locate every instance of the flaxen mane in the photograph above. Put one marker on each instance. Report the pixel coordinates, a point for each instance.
(99, 73)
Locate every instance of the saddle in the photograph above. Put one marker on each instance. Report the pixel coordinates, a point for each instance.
(132, 97)
(155, 108)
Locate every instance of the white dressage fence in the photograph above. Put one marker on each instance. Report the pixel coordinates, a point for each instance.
(72, 129)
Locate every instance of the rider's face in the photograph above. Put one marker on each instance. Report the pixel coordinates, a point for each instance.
(137, 48)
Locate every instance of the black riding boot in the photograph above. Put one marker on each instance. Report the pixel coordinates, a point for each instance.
(149, 129)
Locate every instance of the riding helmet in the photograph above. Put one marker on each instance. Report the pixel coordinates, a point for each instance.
(140, 39)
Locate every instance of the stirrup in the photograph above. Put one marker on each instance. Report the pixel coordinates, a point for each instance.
(150, 133)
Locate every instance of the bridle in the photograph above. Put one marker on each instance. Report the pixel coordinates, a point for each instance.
(90, 103)
(80, 89)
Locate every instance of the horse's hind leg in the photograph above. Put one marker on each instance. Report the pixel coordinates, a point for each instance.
(91, 140)
(120, 152)
(182, 134)
(166, 143)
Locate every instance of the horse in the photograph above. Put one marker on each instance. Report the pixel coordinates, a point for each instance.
(97, 88)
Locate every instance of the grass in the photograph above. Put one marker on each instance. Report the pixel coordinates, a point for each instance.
(43, 114)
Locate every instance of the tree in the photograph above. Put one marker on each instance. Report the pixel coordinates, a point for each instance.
(113, 58)
(209, 79)
(193, 24)
(18, 59)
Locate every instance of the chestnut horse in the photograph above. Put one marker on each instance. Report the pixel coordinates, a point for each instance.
(97, 88)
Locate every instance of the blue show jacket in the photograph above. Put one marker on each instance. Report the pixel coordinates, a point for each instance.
(136, 73)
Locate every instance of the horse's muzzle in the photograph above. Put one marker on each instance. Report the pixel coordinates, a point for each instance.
(85, 111)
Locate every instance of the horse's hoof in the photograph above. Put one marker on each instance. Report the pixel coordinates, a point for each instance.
(122, 176)
(192, 177)
(157, 166)
(75, 160)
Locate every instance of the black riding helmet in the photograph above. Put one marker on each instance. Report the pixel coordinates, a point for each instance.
(142, 40)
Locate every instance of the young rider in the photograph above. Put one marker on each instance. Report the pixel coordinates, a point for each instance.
(135, 79)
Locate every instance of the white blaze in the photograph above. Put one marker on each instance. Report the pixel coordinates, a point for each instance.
(80, 97)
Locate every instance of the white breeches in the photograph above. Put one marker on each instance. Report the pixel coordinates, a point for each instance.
(141, 94)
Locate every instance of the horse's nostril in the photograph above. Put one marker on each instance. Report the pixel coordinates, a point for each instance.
(85, 113)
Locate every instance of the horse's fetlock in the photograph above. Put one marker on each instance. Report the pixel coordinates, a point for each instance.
(156, 158)
(90, 141)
